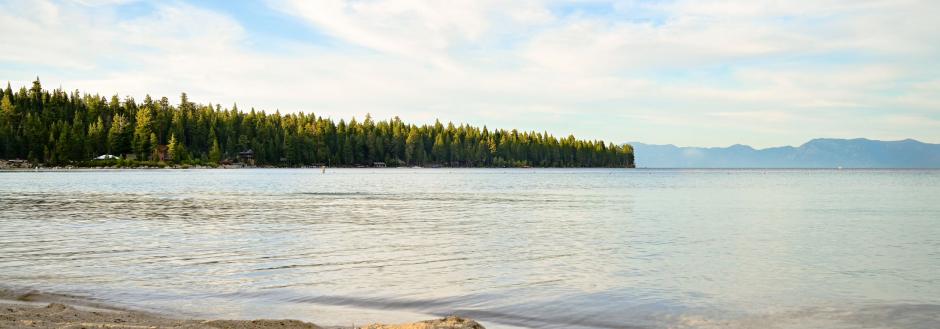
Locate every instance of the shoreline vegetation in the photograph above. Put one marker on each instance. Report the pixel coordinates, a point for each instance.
(56, 128)
(32, 310)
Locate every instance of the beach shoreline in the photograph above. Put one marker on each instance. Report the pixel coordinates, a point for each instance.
(32, 310)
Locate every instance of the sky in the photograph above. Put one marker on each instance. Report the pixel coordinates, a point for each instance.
(690, 73)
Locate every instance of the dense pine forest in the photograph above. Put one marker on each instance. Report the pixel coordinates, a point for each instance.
(62, 128)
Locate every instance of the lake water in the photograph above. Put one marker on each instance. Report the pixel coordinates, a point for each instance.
(512, 248)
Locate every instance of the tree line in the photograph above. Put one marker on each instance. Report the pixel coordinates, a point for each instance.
(62, 128)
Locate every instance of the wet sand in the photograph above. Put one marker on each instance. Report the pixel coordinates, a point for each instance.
(39, 311)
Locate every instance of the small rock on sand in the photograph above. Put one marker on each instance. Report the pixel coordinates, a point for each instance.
(260, 324)
(450, 322)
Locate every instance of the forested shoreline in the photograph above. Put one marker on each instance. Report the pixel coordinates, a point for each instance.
(70, 128)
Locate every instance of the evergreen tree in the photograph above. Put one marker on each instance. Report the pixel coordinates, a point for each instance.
(7, 118)
(119, 136)
(95, 140)
(411, 147)
(215, 153)
(154, 144)
(175, 150)
(142, 132)
(439, 150)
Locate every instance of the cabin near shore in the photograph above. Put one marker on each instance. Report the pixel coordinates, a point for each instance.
(161, 153)
(247, 157)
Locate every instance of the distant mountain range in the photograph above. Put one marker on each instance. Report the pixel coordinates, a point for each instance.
(817, 153)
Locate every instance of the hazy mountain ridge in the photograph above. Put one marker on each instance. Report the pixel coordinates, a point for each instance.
(817, 153)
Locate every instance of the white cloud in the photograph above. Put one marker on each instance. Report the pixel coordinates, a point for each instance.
(418, 30)
(703, 72)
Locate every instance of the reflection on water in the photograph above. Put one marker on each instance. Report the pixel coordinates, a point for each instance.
(513, 248)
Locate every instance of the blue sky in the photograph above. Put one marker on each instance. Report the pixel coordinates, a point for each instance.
(698, 73)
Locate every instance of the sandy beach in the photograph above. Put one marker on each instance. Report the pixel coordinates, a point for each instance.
(33, 310)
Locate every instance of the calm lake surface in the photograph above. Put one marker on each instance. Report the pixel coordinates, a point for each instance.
(529, 248)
